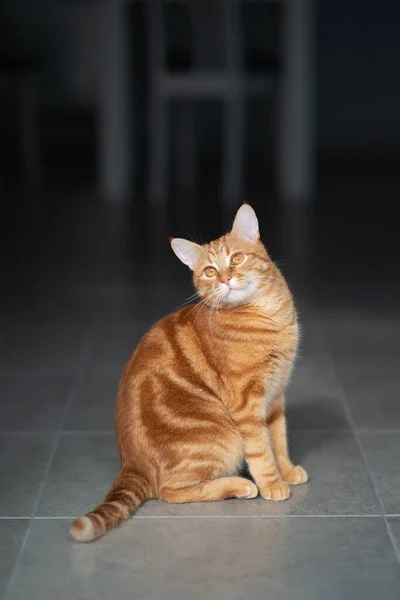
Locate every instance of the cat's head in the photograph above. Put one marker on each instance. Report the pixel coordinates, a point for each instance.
(231, 269)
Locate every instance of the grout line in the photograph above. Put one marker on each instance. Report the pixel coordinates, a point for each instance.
(282, 516)
(395, 544)
(86, 350)
(15, 518)
(364, 457)
(257, 517)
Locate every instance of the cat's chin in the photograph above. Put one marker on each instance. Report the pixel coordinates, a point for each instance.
(239, 295)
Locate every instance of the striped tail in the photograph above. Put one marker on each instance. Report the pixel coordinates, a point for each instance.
(129, 491)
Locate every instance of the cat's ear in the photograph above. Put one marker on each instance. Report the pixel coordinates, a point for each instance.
(187, 252)
(246, 224)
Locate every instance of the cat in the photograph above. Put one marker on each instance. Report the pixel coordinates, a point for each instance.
(204, 390)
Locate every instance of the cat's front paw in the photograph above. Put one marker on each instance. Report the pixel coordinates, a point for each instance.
(296, 476)
(277, 491)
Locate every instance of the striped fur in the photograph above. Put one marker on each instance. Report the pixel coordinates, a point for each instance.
(129, 491)
(204, 389)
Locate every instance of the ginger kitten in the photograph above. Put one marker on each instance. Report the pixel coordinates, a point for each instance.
(204, 389)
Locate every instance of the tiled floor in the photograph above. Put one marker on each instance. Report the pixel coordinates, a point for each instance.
(63, 346)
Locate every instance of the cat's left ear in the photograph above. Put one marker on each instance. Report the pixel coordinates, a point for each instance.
(187, 252)
(246, 224)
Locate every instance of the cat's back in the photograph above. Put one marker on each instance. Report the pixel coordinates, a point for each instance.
(170, 364)
(171, 339)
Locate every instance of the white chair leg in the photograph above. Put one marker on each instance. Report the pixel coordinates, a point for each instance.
(295, 163)
(233, 149)
(116, 165)
(186, 148)
(158, 151)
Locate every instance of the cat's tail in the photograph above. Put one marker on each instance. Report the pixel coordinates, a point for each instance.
(129, 491)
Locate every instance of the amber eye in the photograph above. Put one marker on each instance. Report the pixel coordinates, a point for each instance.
(210, 271)
(237, 259)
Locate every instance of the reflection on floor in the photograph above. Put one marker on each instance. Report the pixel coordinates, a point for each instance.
(75, 308)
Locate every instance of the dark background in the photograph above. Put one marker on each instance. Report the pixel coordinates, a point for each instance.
(341, 244)
(84, 276)
(350, 226)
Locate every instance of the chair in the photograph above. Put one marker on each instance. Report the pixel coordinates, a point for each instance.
(295, 143)
(229, 84)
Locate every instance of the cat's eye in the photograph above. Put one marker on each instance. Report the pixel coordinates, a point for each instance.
(210, 271)
(237, 258)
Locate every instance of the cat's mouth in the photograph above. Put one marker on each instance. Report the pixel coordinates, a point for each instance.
(231, 289)
(235, 294)
(239, 293)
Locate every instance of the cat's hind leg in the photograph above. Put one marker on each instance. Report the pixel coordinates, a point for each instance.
(215, 489)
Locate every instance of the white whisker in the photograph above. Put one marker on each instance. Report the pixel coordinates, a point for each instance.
(202, 304)
(214, 308)
(189, 300)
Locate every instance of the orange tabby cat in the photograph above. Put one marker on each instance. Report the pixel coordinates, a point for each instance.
(204, 389)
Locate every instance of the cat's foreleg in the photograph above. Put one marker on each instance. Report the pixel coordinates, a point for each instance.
(276, 421)
(259, 455)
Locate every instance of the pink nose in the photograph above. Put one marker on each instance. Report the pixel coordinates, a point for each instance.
(226, 280)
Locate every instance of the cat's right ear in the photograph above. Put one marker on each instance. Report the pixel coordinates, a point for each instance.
(246, 224)
(187, 252)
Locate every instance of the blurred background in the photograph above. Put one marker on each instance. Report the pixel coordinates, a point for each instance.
(123, 123)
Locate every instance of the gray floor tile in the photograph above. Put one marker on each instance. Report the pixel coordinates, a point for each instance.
(314, 398)
(228, 559)
(32, 402)
(83, 469)
(114, 344)
(41, 345)
(394, 525)
(94, 405)
(23, 461)
(312, 337)
(363, 340)
(383, 453)
(85, 466)
(373, 396)
(12, 533)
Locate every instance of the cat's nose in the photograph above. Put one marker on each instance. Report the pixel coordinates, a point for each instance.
(226, 280)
